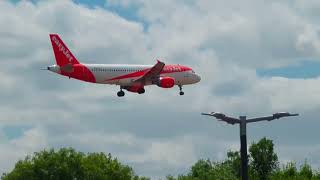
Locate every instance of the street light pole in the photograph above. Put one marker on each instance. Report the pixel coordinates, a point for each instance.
(243, 121)
(243, 147)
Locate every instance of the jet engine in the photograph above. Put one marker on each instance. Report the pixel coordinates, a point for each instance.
(165, 82)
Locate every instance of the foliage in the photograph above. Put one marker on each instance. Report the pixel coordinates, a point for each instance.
(234, 161)
(66, 163)
(263, 164)
(207, 170)
(263, 158)
(290, 172)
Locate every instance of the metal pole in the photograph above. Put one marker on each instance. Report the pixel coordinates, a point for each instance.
(243, 148)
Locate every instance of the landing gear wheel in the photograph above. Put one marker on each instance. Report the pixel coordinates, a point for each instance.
(181, 92)
(120, 93)
(141, 91)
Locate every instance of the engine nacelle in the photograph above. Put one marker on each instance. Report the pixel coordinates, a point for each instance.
(165, 82)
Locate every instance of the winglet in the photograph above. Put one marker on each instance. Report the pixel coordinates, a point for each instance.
(158, 61)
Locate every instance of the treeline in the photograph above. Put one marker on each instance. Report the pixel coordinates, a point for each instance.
(263, 165)
(67, 163)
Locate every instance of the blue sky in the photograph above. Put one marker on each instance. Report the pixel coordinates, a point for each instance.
(92, 3)
(254, 57)
(307, 69)
(129, 13)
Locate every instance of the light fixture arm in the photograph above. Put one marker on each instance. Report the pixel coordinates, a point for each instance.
(271, 118)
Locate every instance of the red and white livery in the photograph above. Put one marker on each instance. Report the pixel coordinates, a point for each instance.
(132, 78)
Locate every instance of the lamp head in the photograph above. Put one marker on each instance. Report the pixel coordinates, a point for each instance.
(283, 114)
(218, 115)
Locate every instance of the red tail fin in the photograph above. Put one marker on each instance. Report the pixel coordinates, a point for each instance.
(61, 52)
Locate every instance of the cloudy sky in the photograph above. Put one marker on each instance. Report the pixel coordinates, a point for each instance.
(255, 57)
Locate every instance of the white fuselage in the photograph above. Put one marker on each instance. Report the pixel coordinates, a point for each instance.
(125, 75)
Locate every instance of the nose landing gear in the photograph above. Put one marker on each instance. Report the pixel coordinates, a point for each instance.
(120, 93)
(181, 92)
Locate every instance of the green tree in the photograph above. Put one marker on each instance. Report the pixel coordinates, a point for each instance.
(263, 158)
(306, 171)
(202, 169)
(66, 163)
(287, 172)
(290, 170)
(263, 165)
(207, 170)
(234, 161)
(316, 175)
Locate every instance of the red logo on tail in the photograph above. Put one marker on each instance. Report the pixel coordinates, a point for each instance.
(61, 52)
(61, 48)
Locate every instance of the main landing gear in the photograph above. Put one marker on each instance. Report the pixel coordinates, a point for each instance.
(181, 92)
(141, 91)
(120, 93)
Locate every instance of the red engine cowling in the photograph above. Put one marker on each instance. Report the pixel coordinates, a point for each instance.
(166, 82)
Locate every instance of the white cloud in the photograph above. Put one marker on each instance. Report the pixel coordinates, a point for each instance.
(17, 149)
(291, 94)
(293, 154)
(170, 153)
(224, 42)
(309, 41)
(258, 33)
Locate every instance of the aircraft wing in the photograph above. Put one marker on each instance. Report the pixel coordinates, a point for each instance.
(152, 73)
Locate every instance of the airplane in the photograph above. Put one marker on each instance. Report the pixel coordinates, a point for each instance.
(132, 78)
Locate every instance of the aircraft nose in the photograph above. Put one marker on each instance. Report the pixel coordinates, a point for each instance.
(197, 78)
